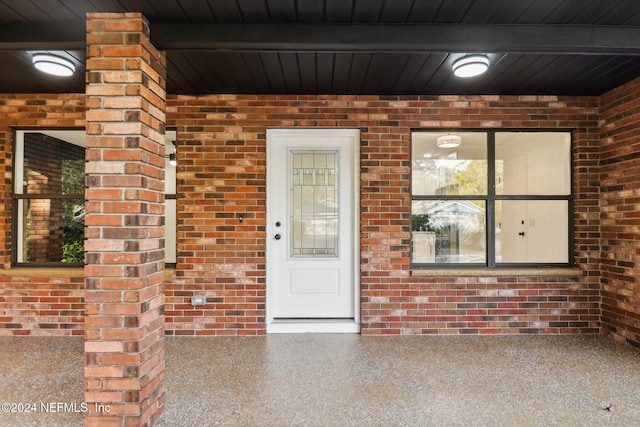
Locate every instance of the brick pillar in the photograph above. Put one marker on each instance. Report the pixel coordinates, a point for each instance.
(124, 274)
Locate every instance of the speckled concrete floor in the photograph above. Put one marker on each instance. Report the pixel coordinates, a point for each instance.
(41, 370)
(351, 380)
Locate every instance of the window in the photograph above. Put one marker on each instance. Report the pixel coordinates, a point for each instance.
(49, 203)
(49, 198)
(170, 199)
(496, 199)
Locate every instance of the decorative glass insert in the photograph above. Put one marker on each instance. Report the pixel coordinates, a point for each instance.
(314, 195)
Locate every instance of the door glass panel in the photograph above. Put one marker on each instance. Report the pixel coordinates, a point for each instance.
(314, 196)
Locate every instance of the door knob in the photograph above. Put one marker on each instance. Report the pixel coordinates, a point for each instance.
(277, 237)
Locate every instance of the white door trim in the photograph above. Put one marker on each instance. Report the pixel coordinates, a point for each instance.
(313, 325)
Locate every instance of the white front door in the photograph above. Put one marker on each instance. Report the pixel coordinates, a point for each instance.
(312, 223)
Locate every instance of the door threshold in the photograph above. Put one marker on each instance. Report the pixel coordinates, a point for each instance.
(318, 326)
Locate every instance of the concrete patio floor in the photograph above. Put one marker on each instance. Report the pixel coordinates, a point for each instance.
(352, 380)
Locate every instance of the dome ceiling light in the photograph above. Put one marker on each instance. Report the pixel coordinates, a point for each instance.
(448, 141)
(470, 65)
(53, 64)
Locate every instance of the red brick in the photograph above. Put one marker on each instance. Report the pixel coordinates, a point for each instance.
(119, 219)
(102, 346)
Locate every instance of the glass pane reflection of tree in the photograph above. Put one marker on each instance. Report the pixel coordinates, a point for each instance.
(453, 231)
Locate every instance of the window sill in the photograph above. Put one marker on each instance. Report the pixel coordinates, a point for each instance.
(42, 272)
(55, 272)
(495, 272)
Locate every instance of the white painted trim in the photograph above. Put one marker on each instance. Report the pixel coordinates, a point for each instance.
(316, 326)
(321, 326)
(18, 177)
(18, 188)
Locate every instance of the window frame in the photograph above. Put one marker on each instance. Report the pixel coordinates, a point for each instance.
(16, 225)
(18, 166)
(171, 146)
(491, 198)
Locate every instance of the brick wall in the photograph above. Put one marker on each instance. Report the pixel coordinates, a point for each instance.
(620, 213)
(49, 304)
(223, 136)
(221, 174)
(46, 302)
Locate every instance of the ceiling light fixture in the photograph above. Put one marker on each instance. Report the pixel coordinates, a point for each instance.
(471, 65)
(53, 64)
(448, 141)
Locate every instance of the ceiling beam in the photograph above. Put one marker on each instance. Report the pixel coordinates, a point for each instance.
(43, 36)
(295, 37)
(399, 38)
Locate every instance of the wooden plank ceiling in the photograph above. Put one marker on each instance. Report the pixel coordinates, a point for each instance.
(387, 47)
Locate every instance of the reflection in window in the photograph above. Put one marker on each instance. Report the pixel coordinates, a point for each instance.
(533, 163)
(170, 199)
(472, 208)
(449, 231)
(460, 171)
(50, 200)
(532, 231)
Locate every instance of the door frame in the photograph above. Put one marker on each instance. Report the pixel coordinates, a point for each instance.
(313, 325)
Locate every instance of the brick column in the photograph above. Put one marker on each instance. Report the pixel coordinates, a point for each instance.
(124, 274)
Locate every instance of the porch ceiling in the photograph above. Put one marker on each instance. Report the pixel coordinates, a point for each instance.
(386, 47)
